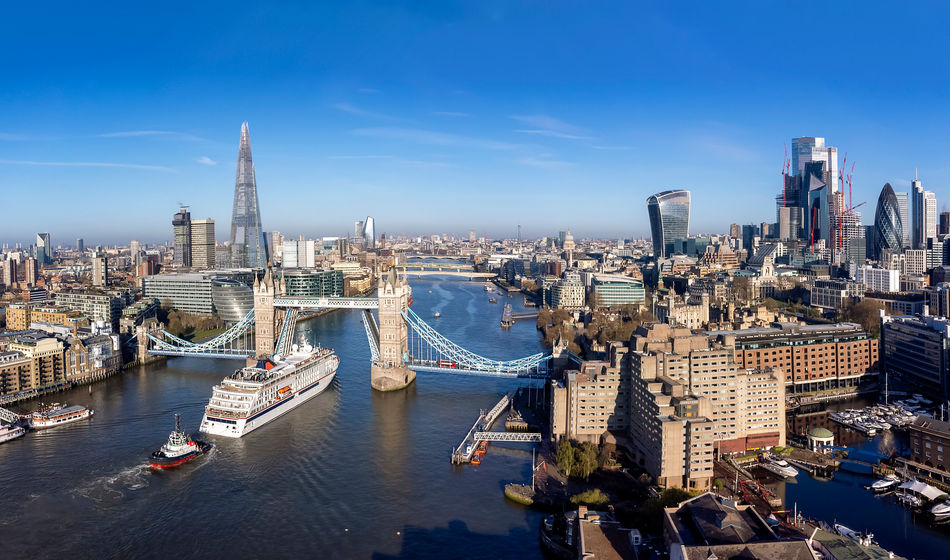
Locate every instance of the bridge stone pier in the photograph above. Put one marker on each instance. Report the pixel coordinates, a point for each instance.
(265, 315)
(390, 371)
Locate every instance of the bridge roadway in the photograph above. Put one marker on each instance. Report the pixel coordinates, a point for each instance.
(300, 302)
(461, 273)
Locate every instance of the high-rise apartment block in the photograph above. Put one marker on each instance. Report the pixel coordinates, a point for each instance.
(248, 248)
(31, 271)
(298, 254)
(100, 271)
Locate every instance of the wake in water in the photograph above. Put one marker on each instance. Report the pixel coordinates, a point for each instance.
(111, 489)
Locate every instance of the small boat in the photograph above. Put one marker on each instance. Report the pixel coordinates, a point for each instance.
(482, 448)
(10, 431)
(179, 448)
(477, 459)
(57, 415)
(885, 484)
(778, 466)
(492, 300)
(488, 287)
(910, 500)
(863, 539)
(437, 315)
(941, 511)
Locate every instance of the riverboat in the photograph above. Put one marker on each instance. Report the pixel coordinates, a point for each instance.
(253, 396)
(57, 415)
(9, 432)
(179, 449)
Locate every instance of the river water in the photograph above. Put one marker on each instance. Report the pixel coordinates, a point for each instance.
(350, 474)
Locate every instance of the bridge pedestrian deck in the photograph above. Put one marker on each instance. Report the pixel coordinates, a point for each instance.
(480, 432)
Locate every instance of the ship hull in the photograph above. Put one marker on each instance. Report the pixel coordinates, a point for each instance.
(44, 423)
(12, 434)
(167, 462)
(235, 428)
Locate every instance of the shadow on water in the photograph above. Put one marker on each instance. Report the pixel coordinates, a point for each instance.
(458, 541)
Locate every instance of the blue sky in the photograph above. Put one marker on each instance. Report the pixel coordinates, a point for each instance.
(446, 116)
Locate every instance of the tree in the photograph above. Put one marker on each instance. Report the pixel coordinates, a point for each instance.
(593, 498)
(867, 314)
(586, 459)
(565, 457)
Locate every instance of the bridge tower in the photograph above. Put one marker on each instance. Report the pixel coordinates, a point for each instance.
(265, 316)
(390, 372)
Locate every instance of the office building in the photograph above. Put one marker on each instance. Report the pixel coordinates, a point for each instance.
(202, 244)
(80, 246)
(925, 215)
(915, 262)
(313, 283)
(232, 299)
(100, 271)
(938, 300)
(690, 401)
(189, 292)
(369, 233)
(749, 234)
(929, 440)
(919, 349)
(878, 279)
(888, 229)
(669, 219)
(903, 204)
(247, 235)
(568, 294)
(813, 357)
(808, 149)
(834, 294)
(135, 253)
(298, 254)
(44, 249)
(611, 290)
(181, 226)
(944, 228)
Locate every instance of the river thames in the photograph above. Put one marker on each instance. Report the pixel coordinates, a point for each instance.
(350, 474)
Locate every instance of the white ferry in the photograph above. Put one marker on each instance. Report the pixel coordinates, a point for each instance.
(57, 415)
(9, 431)
(253, 396)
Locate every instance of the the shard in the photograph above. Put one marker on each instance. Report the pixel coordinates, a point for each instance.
(248, 249)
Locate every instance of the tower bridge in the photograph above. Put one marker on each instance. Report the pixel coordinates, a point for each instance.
(400, 341)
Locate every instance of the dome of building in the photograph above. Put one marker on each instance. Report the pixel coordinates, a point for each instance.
(820, 433)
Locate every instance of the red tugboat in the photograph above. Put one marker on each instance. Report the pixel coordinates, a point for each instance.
(179, 448)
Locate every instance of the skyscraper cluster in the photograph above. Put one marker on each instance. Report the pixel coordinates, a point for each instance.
(194, 241)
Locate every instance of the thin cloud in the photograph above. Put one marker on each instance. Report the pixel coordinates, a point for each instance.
(394, 159)
(437, 138)
(86, 164)
(450, 114)
(205, 160)
(547, 122)
(554, 134)
(140, 133)
(544, 161)
(353, 110)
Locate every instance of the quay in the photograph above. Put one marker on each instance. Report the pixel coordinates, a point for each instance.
(480, 432)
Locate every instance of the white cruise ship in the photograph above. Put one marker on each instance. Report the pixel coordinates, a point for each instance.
(253, 396)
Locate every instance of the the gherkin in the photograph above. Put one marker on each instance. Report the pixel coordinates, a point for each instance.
(248, 249)
(888, 229)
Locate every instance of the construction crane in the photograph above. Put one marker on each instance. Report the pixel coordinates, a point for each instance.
(785, 168)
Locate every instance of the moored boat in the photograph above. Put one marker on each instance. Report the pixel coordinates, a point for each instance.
(886, 484)
(10, 431)
(941, 511)
(57, 415)
(778, 466)
(179, 448)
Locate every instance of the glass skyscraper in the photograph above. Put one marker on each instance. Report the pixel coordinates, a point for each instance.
(669, 219)
(369, 233)
(248, 249)
(888, 229)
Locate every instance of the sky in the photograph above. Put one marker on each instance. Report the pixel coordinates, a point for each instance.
(441, 117)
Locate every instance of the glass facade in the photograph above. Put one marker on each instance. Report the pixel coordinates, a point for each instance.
(669, 219)
(248, 249)
(232, 299)
(369, 233)
(888, 229)
(314, 283)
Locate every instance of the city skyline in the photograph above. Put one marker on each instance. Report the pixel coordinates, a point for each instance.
(471, 121)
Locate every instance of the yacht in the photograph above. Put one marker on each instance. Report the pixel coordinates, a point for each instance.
(886, 484)
(941, 511)
(779, 466)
